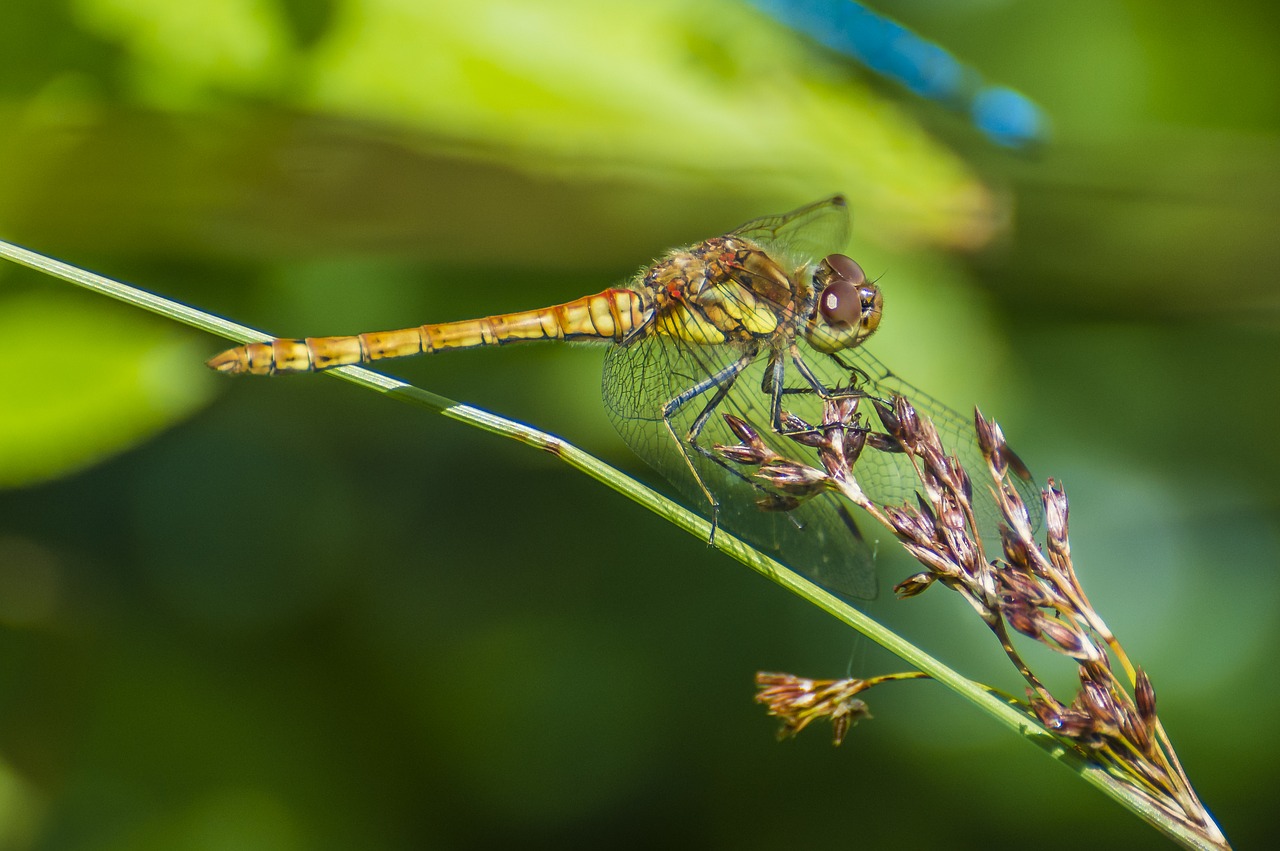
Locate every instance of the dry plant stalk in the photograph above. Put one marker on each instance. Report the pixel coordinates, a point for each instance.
(1029, 590)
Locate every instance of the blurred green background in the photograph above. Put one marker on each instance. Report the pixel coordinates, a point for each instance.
(289, 614)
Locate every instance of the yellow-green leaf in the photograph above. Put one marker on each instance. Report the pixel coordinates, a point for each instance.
(84, 380)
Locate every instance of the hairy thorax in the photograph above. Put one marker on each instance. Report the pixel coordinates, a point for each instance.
(722, 290)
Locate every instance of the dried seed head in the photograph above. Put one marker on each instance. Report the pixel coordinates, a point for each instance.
(1069, 722)
(1022, 617)
(811, 439)
(752, 451)
(913, 585)
(950, 512)
(1098, 670)
(884, 442)
(1036, 593)
(927, 520)
(1055, 517)
(935, 463)
(1014, 510)
(799, 701)
(962, 549)
(743, 430)
(1016, 550)
(960, 477)
(1134, 730)
(833, 459)
(842, 410)
(854, 442)
(989, 437)
(800, 431)
(927, 439)
(742, 454)
(1070, 640)
(889, 419)
(1144, 695)
(1097, 700)
(1050, 714)
(931, 486)
(930, 556)
(1020, 588)
(909, 421)
(793, 478)
(907, 524)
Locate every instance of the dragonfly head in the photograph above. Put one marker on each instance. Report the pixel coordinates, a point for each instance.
(848, 306)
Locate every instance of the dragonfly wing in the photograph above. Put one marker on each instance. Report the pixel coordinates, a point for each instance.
(818, 539)
(803, 236)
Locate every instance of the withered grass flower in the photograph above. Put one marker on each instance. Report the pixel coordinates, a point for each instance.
(799, 701)
(1026, 588)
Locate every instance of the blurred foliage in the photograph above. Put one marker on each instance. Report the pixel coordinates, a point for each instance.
(304, 618)
(66, 404)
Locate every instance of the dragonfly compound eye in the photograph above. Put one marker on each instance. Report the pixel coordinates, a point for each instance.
(847, 297)
(844, 267)
(841, 304)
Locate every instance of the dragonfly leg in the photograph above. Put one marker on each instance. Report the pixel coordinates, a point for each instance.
(722, 381)
(858, 377)
(856, 388)
(805, 372)
(815, 388)
(774, 385)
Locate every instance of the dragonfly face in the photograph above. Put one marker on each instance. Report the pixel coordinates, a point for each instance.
(847, 309)
(765, 323)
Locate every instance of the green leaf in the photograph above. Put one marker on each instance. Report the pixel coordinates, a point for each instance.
(85, 380)
(584, 92)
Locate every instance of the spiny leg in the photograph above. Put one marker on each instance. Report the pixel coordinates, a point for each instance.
(723, 381)
(725, 378)
(815, 388)
(863, 377)
(858, 378)
(805, 372)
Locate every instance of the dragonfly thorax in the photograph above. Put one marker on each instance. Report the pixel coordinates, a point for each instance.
(722, 290)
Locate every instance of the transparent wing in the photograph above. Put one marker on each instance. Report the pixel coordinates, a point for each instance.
(818, 539)
(802, 236)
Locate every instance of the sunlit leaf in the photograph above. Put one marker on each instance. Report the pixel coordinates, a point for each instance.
(84, 381)
(583, 91)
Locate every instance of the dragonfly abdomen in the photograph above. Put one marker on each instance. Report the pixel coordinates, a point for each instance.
(609, 315)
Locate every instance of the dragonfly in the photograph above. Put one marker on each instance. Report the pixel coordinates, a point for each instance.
(765, 323)
(1007, 118)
